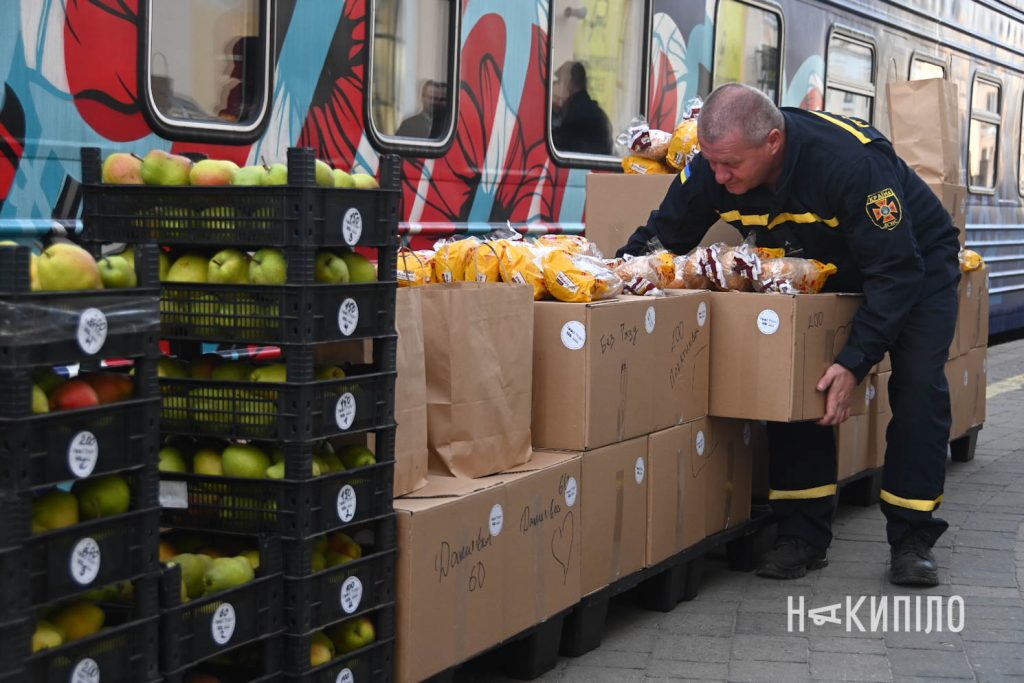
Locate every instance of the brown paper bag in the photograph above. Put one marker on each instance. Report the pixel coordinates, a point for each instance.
(410, 395)
(924, 126)
(478, 341)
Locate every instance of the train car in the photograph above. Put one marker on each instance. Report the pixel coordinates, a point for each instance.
(479, 96)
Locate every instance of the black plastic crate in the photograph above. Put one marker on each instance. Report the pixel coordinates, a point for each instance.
(297, 214)
(53, 447)
(124, 650)
(201, 628)
(314, 598)
(287, 411)
(39, 328)
(258, 662)
(374, 662)
(282, 314)
(291, 509)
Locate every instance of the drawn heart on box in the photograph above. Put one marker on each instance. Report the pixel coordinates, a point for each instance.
(561, 543)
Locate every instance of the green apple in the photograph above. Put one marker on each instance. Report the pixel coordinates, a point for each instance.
(357, 455)
(245, 460)
(227, 572)
(318, 561)
(330, 269)
(229, 266)
(193, 567)
(171, 367)
(171, 460)
(40, 404)
(47, 379)
(276, 471)
(275, 372)
(324, 174)
(163, 168)
(55, 509)
(268, 267)
(352, 634)
(342, 179)
(64, 266)
(208, 461)
(364, 181)
(213, 172)
(117, 272)
(251, 175)
(190, 267)
(102, 496)
(122, 168)
(329, 372)
(277, 174)
(360, 269)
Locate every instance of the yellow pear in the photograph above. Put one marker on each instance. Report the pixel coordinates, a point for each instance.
(79, 620)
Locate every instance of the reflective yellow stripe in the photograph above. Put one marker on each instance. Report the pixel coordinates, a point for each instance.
(745, 219)
(803, 218)
(910, 503)
(816, 492)
(845, 126)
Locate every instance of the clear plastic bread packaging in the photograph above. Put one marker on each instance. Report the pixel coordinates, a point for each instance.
(415, 268)
(970, 260)
(639, 274)
(683, 145)
(578, 244)
(730, 268)
(688, 272)
(642, 141)
(451, 256)
(484, 264)
(789, 275)
(520, 264)
(578, 278)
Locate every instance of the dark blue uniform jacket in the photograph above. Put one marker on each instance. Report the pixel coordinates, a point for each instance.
(843, 197)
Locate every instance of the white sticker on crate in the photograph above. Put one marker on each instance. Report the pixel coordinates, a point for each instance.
(345, 676)
(83, 453)
(345, 410)
(639, 469)
(574, 335)
(85, 561)
(86, 671)
(352, 227)
(768, 321)
(496, 520)
(650, 319)
(174, 494)
(92, 330)
(346, 503)
(348, 316)
(222, 625)
(571, 489)
(351, 594)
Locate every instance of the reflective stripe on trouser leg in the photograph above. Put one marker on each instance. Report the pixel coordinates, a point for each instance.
(918, 434)
(802, 477)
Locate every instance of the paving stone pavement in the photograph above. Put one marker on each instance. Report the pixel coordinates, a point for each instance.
(736, 629)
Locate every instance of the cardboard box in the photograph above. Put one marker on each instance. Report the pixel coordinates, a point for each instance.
(542, 539)
(451, 573)
(853, 446)
(768, 352)
(410, 394)
(954, 200)
(880, 412)
(592, 373)
(967, 377)
(972, 312)
(682, 348)
(730, 452)
(677, 490)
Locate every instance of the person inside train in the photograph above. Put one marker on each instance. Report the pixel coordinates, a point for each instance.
(432, 118)
(578, 123)
(832, 188)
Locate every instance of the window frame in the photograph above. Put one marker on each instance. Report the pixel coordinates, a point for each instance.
(1020, 153)
(207, 131)
(990, 79)
(768, 6)
(852, 35)
(416, 147)
(929, 58)
(579, 159)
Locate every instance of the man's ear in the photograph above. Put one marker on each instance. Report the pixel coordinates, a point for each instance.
(775, 139)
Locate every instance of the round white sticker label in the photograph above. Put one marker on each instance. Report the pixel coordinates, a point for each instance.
(222, 625)
(768, 321)
(85, 561)
(348, 316)
(570, 492)
(345, 410)
(871, 393)
(83, 452)
(496, 520)
(702, 314)
(650, 318)
(638, 470)
(352, 227)
(699, 443)
(346, 503)
(351, 594)
(86, 671)
(574, 335)
(92, 330)
(345, 676)
(747, 433)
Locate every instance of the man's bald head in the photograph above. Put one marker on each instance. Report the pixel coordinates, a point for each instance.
(735, 106)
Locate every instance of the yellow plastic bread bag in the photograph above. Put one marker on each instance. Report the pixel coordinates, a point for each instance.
(970, 260)
(483, 265)
(790, 275)
(577, 278)
(520, 264)
(415, 268)
(683, 146)
(450, 258)
(637, 165)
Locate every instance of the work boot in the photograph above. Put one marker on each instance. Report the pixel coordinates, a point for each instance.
(913, 563)
(790, 559)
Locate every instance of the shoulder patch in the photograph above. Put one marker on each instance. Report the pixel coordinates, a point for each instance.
(884, 209)
(684, 175)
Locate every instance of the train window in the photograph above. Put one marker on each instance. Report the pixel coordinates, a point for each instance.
(413, 68)
(983, 142)
(217, 87)
(595, 83)
(1020, 159)
(925, 66)
(850, 76)
(748, 46)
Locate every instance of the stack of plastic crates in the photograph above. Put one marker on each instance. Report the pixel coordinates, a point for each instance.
(79, 514)
(299, 324)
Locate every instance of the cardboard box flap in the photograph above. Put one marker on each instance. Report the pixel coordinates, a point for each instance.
(441, 487)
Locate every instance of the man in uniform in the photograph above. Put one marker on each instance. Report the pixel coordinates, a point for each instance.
(831, 188)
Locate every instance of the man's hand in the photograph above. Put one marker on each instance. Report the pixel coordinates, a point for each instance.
(839, 383)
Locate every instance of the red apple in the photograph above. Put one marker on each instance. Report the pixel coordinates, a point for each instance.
(110, 387)
(73, 394)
